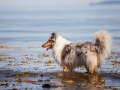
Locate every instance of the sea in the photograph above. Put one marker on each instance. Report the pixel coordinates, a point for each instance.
(75, 25)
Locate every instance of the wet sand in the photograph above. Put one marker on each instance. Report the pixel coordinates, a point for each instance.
(29, 69)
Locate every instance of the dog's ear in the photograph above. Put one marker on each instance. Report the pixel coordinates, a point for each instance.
(53, 34)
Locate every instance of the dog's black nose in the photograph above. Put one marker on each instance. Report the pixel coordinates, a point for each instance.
(42, 45)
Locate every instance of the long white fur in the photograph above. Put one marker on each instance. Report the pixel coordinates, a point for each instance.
(101, 47)
(58, 47)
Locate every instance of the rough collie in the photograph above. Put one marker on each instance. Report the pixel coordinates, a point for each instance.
(89, 55)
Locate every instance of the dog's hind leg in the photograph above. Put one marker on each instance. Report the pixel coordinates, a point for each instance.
(90, 67)
(91, 63)
(95, 69)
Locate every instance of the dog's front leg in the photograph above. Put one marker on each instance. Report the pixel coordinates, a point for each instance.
(65, 68)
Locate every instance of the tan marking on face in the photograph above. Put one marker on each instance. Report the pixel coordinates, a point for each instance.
(48, 44)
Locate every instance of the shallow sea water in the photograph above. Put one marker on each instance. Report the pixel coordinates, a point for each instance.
(24, 64)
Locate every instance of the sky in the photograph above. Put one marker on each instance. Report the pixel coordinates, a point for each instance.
(43, 4)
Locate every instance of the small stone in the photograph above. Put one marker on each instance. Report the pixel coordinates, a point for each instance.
(19, 80)
(102, 81)
(41, 75)
(47, 85)
(98, 86)
(69, 81)
(83, 84)
(14, 89)
(40, 80)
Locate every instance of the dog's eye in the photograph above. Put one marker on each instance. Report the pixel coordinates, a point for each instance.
(49, 40)
(52, 40)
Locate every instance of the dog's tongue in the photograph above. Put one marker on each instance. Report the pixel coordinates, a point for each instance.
(48, 48)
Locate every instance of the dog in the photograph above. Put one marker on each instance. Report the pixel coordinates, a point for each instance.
(89, 55)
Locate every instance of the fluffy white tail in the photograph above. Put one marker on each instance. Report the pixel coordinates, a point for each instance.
(102, 44)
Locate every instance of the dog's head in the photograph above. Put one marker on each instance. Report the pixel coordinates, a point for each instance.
(51, 42)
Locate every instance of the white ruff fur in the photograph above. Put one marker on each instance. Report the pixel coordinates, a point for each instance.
(58, 47)
(90, 55)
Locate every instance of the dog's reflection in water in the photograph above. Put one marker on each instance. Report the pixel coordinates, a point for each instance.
(73, 80)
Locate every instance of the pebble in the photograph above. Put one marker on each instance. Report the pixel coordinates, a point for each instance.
(47, 85)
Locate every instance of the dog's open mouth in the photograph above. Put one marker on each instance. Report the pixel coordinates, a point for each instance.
(48, 47)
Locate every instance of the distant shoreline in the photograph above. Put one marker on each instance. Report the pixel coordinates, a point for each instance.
(106, 3)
